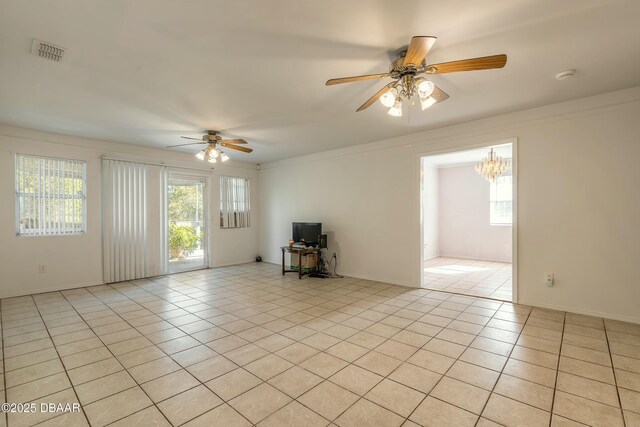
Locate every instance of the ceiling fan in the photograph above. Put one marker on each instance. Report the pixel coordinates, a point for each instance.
(213, 143)
(405, 71)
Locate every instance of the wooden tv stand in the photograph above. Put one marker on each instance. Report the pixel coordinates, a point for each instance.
(300, 252)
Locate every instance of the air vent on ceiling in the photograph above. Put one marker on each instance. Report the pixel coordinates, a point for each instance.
(47, 50)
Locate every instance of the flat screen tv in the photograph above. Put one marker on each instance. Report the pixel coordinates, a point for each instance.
(307, 232)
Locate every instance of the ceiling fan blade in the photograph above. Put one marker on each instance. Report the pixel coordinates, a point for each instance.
(355, 78)
(418, 49)
(182, 145)
(439, 95)
(375, 97)
(236, 147)
(195, 139)
(234, 141)
(484, 63)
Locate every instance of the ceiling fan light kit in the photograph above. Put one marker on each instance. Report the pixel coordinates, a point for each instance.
(404, 90)
(213, 151)
(405, 71)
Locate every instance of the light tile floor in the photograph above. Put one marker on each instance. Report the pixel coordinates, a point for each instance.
(244, 346)
(488, 279)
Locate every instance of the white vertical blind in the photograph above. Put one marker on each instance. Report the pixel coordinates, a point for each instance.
(235, 210)
(50, 196)
(125, 224)
(164, 221)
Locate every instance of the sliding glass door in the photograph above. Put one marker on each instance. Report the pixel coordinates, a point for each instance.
(187, 210)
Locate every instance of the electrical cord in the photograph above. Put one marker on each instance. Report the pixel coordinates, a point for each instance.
(335, 267)
(325, 266)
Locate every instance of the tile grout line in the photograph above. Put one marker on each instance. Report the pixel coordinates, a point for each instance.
(615, 376)
(370, 350)
(555, 383)
(319, 352)
(590, 379)
(383, 376)
(5, 415)
(166, 354)
(284, 290)
(387, 339)
(155, 345)
(413, 300)
(503, 366)
(365, 328)
(456, 359)
(123, 367)
(169, 355)
(298, 364)
(61, 362)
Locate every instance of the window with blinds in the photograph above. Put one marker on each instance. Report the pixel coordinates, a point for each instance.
(501, 200)
(234, 202)
(50, 196)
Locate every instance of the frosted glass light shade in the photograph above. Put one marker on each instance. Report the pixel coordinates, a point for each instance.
(425, 88)
(427, 102)
(388, 99)
(396, 110)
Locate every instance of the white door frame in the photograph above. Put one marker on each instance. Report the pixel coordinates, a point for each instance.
(514, 227)
(205, 178)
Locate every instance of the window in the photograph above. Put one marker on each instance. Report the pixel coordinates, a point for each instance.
(234, 202)
(50, 196)
(501, 200)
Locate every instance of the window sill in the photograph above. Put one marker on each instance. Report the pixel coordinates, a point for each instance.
(83, 233)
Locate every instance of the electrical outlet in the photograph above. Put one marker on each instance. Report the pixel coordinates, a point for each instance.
(41, 268)
(335, 255)
(549, 279)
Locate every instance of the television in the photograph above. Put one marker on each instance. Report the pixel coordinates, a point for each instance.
(307, 232)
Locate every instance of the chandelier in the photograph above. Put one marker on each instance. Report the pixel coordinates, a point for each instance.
(492, 166)
(405, 89)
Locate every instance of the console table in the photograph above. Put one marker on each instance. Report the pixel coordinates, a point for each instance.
(300, 252)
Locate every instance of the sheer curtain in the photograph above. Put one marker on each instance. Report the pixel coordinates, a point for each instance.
(235, 211)
(133, 220)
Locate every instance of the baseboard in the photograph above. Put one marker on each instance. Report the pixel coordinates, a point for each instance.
(376, 279)
(47, 290)
(472, 258)
(388, 280)
(577, 310)
(231, 263)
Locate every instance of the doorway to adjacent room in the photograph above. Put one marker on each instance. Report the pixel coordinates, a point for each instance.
(468, 221)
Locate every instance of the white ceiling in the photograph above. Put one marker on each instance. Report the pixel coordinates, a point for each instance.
(147, 71)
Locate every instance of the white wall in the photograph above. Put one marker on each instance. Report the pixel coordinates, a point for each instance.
(73, 261)
(464, 228)
(578, 202)
(430, 211)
